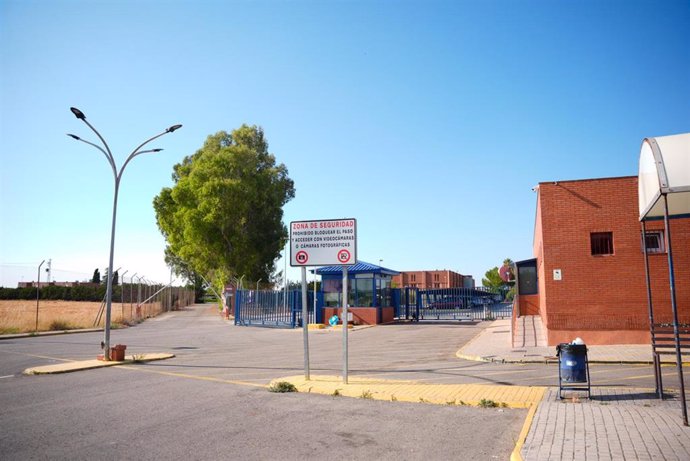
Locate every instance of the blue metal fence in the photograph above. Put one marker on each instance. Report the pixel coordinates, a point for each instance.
(271, 308)
(284, 309)
(451, 304)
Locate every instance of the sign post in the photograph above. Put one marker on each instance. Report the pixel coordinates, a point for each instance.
(330, 242)
(305, 323)
(345, 323)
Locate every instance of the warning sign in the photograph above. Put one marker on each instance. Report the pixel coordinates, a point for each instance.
(323, 243)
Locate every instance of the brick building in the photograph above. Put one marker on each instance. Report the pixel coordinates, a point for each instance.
(433, 279)
(588, 275)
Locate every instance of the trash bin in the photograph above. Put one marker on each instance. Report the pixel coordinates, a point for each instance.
(572, 360)
(117, 353)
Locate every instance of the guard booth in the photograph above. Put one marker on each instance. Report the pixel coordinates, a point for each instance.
(664, 194)
(369, 293)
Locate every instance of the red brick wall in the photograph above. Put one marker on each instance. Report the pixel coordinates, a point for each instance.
(602, 293)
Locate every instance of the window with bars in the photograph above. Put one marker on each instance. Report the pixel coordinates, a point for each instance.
(655, 242)
(602, 243)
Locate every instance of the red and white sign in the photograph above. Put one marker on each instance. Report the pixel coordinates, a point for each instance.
(323, 243)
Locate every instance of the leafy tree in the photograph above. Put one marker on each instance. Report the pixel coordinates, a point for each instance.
(223, 216)
(492, 279)
(181, 268)
(96, 276)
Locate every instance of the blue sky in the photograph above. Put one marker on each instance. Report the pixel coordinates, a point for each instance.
(427, 121)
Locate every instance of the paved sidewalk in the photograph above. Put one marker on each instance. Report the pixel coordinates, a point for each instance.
(493, 345)
(615, 424)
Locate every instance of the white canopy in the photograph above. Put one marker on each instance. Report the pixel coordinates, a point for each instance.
(664, 169)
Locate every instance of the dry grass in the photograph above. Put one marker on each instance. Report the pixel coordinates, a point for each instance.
(20, 315)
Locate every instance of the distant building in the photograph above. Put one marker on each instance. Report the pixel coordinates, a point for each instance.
(433, 279)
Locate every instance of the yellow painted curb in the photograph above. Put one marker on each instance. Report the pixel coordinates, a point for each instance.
(411, 391)
(516, 455)
(69, 367)
(316, 326)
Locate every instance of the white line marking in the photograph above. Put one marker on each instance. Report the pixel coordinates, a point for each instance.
(8, 376)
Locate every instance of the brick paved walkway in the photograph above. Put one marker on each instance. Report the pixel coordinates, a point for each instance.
(614, 425)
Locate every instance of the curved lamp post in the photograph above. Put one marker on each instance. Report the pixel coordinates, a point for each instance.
(117, 175)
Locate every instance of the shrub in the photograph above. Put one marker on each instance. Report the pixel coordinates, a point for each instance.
(282, 386)
(57, 325)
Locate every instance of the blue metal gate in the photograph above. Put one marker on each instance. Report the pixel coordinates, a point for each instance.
(451, 304)
(271, 308)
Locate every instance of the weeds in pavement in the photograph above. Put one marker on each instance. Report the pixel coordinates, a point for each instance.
(282, 386)
(487, 403)
(366, 395)
(393, 398)
(336, 393)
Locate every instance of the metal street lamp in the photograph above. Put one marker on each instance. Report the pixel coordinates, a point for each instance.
(38, 292)
(117, 175)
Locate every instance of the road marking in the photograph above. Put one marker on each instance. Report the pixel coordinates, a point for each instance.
(8, 376)
(184, 375)
(38, 356)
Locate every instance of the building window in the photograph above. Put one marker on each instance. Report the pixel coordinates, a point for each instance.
(602, 243)
(436, 277)
(413, 278)
(655, 242)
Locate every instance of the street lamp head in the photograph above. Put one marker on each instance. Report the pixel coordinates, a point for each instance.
(74, 136)
(156, 150)
(172, 128)
(77, 113)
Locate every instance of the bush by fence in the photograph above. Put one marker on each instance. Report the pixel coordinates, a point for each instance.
(83, 292)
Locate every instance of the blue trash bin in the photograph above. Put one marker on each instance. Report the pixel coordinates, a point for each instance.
(572, 362)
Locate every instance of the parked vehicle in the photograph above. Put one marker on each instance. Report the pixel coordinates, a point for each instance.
(448, 302)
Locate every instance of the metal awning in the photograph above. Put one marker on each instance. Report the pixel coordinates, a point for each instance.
(664, 170)
(664, 192)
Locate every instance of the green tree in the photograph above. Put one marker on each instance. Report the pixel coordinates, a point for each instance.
(223, 216)
(96, 276)
(181, 268)
(492, 279)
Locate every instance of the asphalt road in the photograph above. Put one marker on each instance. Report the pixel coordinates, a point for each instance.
(209, 402)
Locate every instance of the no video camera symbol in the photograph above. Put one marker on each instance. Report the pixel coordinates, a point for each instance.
(302, 257)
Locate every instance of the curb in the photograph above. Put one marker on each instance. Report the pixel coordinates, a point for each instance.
(547, 360)
(49, 333)
(516, 455)
(69, 367)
